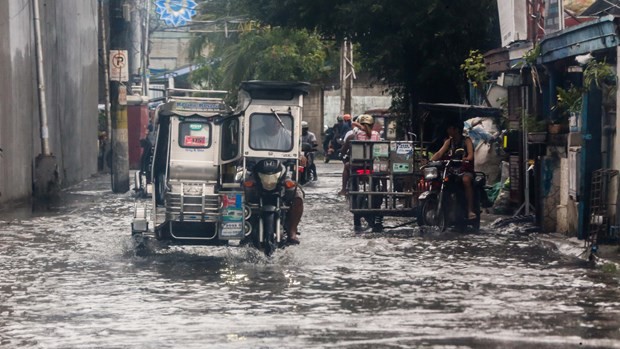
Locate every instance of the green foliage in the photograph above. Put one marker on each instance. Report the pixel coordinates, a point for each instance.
(414, 46)
(257, 52)
(474, 68)
(532, 55)
(274, 54)
(598, 73)
(569, 100)
(533, 124)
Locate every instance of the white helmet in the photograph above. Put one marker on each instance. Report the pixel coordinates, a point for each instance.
(366, 119)
(304, 124)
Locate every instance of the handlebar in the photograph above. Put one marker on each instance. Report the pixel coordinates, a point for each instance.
(438, 163)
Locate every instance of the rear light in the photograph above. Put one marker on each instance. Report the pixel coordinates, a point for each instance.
(289, 184)
(363, 172)
(249, 184)
(301, 168)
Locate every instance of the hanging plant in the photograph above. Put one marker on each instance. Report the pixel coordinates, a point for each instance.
(529, 60)
(476, 71)
(598, 73)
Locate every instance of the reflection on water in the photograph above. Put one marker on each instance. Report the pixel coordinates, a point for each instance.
(71, 280)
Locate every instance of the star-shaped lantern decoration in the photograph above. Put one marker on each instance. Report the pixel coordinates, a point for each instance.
(176, 12)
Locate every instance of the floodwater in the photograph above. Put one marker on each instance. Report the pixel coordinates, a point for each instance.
(70, 279)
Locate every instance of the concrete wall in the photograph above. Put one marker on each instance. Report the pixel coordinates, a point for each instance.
(364, 97)
(313, 111)
(169, 50)
(69, 38)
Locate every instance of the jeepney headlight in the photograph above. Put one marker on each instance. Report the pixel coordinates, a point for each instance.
(269, 181)
(430, 173)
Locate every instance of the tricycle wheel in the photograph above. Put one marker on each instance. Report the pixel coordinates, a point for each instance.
(475, 223)
(361, 202)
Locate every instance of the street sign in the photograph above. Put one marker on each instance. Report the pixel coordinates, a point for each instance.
(119, 68)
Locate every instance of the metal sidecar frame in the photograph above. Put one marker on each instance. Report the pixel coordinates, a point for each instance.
(197, 199)
(383, 179)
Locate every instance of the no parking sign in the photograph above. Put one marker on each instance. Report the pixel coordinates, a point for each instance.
(119, 70)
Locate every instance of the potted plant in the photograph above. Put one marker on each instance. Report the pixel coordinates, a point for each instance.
(536, 129)
(568, 106)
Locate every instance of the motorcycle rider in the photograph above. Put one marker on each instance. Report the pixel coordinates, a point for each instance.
(455, 141)
(308, 137)
(341, 128)
(364, 132)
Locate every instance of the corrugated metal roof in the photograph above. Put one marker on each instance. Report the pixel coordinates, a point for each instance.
(602, 8)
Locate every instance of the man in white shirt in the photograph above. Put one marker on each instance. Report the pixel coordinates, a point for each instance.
(272, 135)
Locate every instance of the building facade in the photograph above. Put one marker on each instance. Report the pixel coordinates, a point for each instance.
(69, 40)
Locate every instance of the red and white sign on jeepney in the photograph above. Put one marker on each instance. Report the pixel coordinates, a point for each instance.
(195, 141)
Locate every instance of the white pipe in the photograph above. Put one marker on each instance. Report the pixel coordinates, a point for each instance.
(45, 146)
(106, 72)
(145, 51)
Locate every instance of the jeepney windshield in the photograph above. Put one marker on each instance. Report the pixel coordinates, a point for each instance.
(271, 131)
(194, 134)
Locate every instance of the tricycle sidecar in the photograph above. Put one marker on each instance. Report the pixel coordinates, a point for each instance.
(196, 200)
(382, 181)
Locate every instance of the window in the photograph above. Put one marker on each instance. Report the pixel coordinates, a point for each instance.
(230, 138)
(194, 134)
(271, 132)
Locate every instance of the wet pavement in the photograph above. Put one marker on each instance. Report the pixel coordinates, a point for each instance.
(70, 279)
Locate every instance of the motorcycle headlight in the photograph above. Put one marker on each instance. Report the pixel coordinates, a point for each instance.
(269, 181)
(430, 173)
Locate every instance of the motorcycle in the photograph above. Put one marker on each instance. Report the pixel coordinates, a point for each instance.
(269, 193)
(443, 203)
(334, 153)
(271, 148)
(307, 173)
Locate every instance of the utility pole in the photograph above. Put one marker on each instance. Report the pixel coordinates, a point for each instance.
(106, 73)
(135, 47)
(46, 181)
(347, 74)
(119, 40)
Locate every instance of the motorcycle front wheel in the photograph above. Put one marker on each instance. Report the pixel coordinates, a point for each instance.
(269, 233)
(431, 216)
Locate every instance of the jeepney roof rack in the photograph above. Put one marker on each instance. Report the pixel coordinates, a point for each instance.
(264, 89)
(172, 93)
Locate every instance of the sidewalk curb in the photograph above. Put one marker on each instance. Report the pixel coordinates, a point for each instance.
(571, 246)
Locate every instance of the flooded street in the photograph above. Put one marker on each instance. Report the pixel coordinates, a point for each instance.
(70, 279)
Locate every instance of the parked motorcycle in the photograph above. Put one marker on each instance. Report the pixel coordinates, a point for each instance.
(443, 203)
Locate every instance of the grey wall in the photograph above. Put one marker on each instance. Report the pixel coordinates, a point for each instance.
(71, 59)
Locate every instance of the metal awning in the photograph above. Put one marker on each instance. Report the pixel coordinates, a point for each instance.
(465, 111)
(580, 39)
